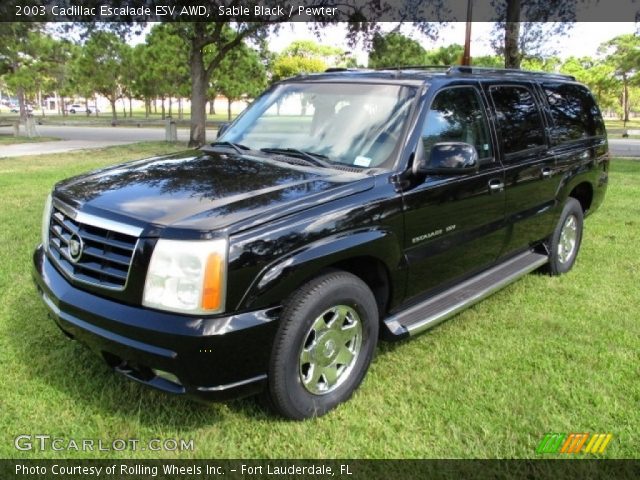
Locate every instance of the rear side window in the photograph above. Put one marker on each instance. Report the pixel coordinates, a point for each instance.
(574, 112)
(518, 118)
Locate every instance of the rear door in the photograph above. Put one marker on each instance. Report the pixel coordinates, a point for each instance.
(531, 174)
(454, 223)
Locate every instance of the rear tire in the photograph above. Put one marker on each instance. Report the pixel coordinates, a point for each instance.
(323, 347)
(565, 242)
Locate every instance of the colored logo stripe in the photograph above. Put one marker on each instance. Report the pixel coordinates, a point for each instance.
(550, 443)
(598, 443)
(573, 443)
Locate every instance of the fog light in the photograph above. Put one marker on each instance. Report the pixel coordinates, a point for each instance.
(167, 376)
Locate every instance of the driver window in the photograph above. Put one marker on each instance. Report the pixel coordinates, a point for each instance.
(456, 115)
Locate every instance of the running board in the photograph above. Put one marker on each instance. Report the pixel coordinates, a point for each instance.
(440, 307)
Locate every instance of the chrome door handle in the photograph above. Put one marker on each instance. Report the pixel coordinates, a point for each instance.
(546, 172)
(496, 185)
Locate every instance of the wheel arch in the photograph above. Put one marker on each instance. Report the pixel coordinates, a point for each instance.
(371, 255)
(583, 192)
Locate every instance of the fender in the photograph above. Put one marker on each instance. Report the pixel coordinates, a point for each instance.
(589, 171)
(283, 276)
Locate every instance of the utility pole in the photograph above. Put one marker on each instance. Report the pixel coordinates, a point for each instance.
(466, 56)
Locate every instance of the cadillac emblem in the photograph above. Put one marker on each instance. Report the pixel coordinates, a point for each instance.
(75, 247)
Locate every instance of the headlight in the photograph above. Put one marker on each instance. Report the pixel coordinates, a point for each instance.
(187, 276)
(46, 218)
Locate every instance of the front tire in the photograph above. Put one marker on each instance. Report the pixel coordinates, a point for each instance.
(324, 345)
(566, 239)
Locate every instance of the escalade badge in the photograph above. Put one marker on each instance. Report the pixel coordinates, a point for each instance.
(75, 247)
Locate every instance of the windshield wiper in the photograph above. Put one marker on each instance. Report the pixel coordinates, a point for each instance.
(315, 159)
(236, 146)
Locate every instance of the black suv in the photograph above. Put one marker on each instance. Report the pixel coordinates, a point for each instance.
(338, 208)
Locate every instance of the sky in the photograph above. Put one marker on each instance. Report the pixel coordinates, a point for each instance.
(582, 40)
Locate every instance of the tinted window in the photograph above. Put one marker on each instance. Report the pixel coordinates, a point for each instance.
(574, 112)
(456, 115)
(518, 119)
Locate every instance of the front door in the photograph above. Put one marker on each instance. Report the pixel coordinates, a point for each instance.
(454, 223)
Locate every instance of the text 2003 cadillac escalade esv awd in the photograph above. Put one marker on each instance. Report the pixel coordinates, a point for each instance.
(339, 208)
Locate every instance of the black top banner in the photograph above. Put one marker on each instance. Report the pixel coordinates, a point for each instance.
(328, 11)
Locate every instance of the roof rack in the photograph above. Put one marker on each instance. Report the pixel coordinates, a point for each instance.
(452, 69)
(341, 69)
(507, 71)
(415, 67)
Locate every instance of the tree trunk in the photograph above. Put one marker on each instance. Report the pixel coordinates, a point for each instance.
(180, 108)
(198, 135)
(21, 105)
(512, 35)
(170, 107)
(163, 113)
(212, 106)
(155, 106)
(86, 107)
(625, 99)
(130, 110)
(95, 104)
(40, 103)
(114, 114)
(229, 108)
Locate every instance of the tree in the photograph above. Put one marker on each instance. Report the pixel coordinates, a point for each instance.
(18, 53)
(166, 66)
(311, 49)
(623, 53)
(542, 64)
(599, 75)
(489, 61)
(516, 40)
(285, 66)
(145, 83)
(241, 74)
(306, 56)
(395, 50)
(209, 44)
(449, 55)
(101, 66)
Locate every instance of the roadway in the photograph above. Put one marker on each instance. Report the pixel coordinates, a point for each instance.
(76, 138)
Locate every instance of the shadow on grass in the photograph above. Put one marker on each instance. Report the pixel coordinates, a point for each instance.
(71, 368)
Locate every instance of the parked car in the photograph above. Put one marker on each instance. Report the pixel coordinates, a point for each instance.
(339, 208)
(16, 108)
(77, 108)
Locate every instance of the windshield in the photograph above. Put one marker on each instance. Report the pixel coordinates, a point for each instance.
(352, 124)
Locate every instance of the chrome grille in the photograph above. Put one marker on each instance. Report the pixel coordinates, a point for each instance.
(102, 257)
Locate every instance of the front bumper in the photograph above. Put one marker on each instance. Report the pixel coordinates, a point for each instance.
(210, 358)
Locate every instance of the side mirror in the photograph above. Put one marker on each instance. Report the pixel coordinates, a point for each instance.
(222, 128)
(448, 158)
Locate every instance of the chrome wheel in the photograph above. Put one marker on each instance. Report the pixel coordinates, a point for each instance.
(568, 239)
(330, 350)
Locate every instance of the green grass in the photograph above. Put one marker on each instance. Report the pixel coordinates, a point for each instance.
(11, 140)
(543, 355)
(615, 128)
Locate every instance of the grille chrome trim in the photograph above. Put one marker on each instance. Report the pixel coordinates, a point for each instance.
(109, 247)
(104, 223)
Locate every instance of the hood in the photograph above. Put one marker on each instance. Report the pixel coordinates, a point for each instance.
(205, 190)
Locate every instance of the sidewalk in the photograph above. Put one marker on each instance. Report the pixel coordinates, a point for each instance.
(41, 148)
